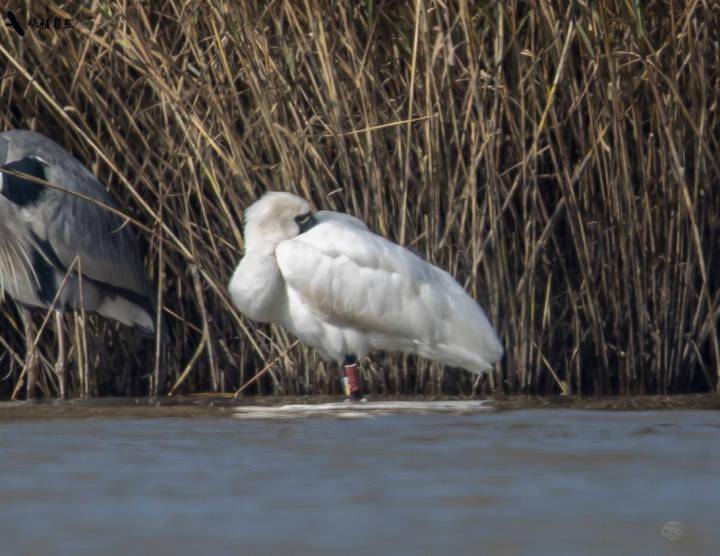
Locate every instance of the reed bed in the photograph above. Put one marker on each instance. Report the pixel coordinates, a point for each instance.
(560, 159)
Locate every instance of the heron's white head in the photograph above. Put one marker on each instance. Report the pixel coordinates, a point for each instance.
(275, 217)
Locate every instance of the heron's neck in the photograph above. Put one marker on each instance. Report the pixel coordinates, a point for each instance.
(15, 266)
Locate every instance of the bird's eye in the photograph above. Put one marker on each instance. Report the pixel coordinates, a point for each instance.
(303, 219)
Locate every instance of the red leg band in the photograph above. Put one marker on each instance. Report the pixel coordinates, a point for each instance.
(353, 378)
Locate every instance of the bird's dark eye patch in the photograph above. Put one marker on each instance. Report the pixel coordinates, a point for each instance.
(303, 218)
(305, 221)
(19, 190)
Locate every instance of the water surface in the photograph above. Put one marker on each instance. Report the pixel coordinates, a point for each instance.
(510, 482)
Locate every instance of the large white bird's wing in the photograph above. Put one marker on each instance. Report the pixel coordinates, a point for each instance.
(340, 218)
(351, 277)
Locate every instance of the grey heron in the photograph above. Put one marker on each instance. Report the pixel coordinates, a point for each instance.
(61, 248)
(346, 291)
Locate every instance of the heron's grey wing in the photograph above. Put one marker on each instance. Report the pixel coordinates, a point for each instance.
(73, 226)
(106, 244)
(65, 228)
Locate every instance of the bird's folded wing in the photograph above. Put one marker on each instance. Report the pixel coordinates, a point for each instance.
(352, 277)
(339, 218)
(105, 243)
(66, 225)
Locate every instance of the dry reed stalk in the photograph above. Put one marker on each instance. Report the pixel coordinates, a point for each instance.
(560, 162)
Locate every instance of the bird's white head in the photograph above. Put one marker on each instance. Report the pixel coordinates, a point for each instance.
(275, 217)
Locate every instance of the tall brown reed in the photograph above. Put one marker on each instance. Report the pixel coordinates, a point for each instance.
(561, 162)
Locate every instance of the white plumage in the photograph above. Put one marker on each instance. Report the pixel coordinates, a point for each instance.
(345, 290)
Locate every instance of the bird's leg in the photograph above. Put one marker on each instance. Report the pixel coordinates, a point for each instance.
(32, 359)
(60, 363)
(351, 380)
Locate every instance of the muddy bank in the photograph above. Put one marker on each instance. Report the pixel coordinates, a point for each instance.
(218, 405)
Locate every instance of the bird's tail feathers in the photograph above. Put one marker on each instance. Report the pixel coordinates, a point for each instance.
(128, 312)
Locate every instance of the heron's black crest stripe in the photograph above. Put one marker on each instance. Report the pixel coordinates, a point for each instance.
(20, 191)
(306, 221)
(45, 274)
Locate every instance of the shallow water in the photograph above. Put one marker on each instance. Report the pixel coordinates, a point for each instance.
(508, 482)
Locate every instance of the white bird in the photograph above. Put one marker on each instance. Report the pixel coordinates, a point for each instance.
(49, 238)
(347, 291)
